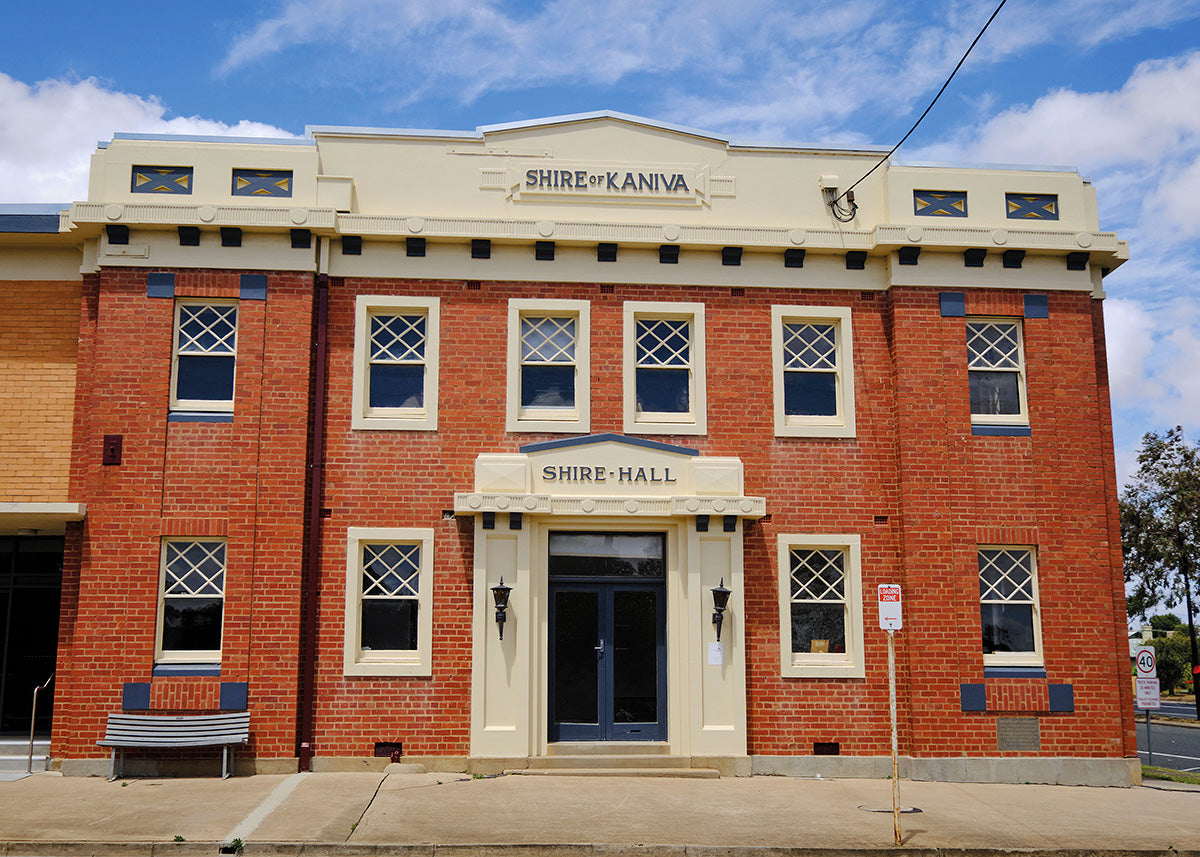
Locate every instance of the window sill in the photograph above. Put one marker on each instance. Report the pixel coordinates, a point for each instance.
(164, 670)
(198, 417)
(1001, 431)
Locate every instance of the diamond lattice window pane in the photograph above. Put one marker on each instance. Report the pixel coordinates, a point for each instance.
(398, 338)
(195, 568)
(809, 346)
(1006, 576)
(546, 339)
(663, 342)
(993, 345)
(206, 329)
(390, 571)
(818, 575)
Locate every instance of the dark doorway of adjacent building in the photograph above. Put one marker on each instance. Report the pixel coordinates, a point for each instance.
(30, 590)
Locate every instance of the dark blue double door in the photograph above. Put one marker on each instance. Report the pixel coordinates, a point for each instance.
(607, 641)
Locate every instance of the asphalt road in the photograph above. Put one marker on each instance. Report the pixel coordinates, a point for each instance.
(1176, 747)
(1186, 710)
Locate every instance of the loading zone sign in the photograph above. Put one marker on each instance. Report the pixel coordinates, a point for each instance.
(889, 607)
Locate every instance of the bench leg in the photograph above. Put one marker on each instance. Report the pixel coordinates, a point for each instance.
(226, 773)
(112, 765)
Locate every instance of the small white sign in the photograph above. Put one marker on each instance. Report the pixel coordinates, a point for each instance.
(1148, 694)
(889, 607)
(716, 655)
(1147, 666)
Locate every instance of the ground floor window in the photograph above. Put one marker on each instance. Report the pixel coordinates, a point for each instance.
(192, 603)
(820, 605)
(389, 579)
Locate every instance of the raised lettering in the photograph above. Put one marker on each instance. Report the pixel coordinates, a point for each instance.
(610, 178)
(680, 184)
(530, 178)
(629, 182)
(652, 477)
(548, 473)
(667, 475)
(585, 473)
(624, 474)
(544, 178)
(601, 474)
(564, 473)
(566, 178)
(641, 475)
(581, 178)
(644, 182)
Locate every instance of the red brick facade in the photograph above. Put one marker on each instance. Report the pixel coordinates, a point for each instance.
(919, 488)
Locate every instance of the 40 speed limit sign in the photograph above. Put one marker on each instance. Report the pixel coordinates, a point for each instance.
(1147, 666)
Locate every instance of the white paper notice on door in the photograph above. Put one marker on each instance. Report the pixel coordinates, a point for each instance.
(716, 655)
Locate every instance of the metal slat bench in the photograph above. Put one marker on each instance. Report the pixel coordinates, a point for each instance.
(171, 732)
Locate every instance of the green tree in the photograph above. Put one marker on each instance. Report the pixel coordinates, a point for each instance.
(1165, 622)
(1171, 654)
(1160, 527)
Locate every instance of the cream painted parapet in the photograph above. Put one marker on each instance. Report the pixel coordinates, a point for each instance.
(581, 180)
(609, 483)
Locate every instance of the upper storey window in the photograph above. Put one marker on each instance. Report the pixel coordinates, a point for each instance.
(664, 368)
(548, 372)
(996, 370)
(205, 356)
(395, 363)
(814, 371)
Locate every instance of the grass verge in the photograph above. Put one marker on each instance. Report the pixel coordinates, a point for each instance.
(1156, 773)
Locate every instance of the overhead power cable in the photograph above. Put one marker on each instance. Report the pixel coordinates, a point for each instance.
(834, 204)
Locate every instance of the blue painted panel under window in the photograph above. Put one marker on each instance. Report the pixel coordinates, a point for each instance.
(160, 285)
(135, 696)
(234, 695)
(1062, 698)
(198, 417)
(974, 697)
(1002, 431)
(253, 287)
(1037, 306)
(953, 304)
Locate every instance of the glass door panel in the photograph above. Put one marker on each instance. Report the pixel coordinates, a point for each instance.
(575, 664)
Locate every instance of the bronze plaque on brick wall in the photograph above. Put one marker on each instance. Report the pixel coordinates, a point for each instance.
(1020, 734)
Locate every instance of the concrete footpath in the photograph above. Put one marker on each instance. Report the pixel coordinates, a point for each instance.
(426, 814)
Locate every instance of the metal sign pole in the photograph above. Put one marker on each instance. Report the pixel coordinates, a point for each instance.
(1149, 749)
(895, 751)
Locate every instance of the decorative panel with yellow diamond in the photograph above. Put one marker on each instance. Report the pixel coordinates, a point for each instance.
(940, 203)
(161, 180)
(262, 182)
(1031, 206)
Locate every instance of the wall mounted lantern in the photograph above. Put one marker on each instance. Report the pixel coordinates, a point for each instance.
(720, 602)
(500, 594)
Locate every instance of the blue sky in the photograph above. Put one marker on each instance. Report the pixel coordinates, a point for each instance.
(1110, 87)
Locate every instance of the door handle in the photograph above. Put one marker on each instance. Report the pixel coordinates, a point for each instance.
(600, 648)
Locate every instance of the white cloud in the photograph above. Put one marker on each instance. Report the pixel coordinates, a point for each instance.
(49, 130)
(766, 70)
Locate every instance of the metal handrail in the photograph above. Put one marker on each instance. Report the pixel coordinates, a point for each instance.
(33, 720)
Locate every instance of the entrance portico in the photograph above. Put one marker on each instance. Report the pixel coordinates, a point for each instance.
(567, 500)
